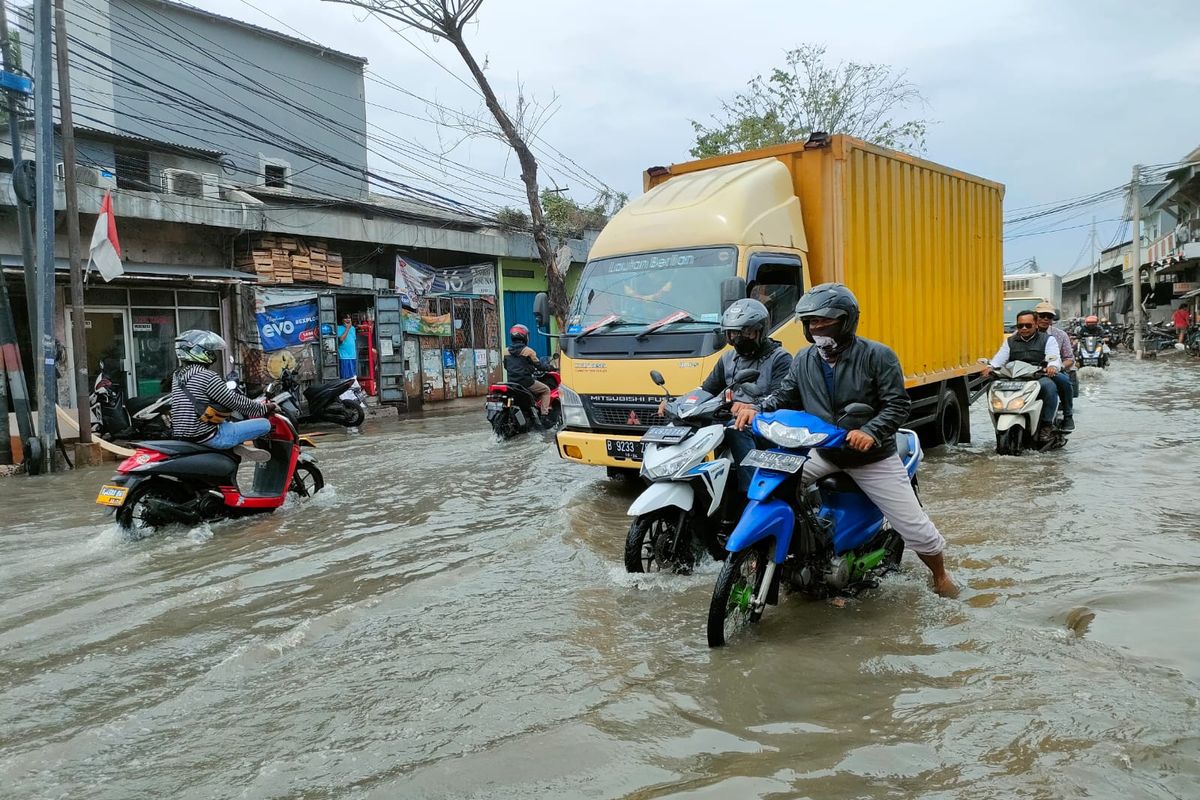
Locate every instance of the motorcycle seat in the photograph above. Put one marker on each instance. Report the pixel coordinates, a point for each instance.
(178, 447)
(136, 404)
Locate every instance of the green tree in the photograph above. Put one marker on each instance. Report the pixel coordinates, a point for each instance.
(809, 94)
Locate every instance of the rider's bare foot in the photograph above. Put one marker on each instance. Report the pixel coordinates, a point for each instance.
(943, 584)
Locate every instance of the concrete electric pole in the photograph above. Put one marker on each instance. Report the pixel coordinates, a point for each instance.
(43, 123)
(1135, 200)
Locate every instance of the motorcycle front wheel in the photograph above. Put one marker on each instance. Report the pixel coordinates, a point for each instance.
(307, 480)
(732, 607)
(352, 413)
(655, 543)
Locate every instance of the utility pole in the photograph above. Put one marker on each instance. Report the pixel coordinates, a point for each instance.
(1095, 263)
(24, 219)
(43, 123)
(1135, 200)
(78, 340)
(10, 354)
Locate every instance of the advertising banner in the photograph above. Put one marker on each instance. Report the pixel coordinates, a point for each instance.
(287, 325)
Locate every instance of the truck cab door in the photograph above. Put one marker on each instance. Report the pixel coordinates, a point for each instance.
(777, 281)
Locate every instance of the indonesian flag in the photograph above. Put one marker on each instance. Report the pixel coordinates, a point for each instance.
(105, 249)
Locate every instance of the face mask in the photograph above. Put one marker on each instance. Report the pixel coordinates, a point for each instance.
(824, 342)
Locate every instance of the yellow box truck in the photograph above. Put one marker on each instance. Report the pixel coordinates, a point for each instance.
(918, 243)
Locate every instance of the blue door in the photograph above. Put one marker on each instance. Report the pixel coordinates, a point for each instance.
(518, 307)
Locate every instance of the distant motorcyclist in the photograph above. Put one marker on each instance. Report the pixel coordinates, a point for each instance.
(1035, 347)
(1092, 327)
(842, 368)
(1046, 316)
(200, 399)
(744, 325)
(522, 364)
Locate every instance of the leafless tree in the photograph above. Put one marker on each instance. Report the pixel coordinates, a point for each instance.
(447, 20)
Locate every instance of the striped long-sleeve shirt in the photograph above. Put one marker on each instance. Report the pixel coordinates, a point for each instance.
(207, 387)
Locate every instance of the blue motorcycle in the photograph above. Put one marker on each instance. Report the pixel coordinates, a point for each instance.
(828, 538)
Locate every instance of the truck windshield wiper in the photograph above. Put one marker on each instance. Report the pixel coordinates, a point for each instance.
(678, 316)
(610, 320)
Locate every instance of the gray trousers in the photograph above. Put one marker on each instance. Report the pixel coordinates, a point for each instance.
(887, 484)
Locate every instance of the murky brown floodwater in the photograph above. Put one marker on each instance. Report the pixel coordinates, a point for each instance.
(452, 621)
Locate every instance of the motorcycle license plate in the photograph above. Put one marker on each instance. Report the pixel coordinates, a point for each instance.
(493, 405)
(777, 462)
(1010, 386)
(665, 434)
(112, 495)
(624, 448)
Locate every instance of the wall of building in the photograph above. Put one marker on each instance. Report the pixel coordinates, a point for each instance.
(232, 78)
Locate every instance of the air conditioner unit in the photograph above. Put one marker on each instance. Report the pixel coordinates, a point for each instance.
(184, 182)
(88, 176)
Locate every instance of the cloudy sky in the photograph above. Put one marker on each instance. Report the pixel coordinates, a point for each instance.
(1055, 100)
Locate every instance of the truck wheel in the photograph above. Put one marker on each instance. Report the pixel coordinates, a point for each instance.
(949, 423)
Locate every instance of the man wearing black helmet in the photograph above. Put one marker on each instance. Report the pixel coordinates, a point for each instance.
(842, 368)
(744, 324)
(522, 365)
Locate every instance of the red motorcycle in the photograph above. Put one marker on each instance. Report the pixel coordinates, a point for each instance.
(178, 482)
(512, 409)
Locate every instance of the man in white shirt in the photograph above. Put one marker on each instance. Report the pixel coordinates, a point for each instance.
(1035, 347)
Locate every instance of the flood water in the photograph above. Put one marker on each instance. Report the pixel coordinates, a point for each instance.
(451, 620)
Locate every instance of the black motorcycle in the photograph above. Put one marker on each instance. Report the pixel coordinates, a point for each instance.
(512, 409)
(321, 402)
(116, 417)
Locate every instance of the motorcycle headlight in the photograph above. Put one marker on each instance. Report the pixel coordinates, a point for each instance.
(787, 436)
(572, 407)
(1016, 404)
(692, 452)
(997, 404)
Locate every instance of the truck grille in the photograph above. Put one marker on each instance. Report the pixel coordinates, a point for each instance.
(626, 416)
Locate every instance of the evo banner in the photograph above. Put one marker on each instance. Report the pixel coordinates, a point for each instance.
(287, 325)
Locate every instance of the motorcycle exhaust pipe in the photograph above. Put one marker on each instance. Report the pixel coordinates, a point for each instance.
(177, 512)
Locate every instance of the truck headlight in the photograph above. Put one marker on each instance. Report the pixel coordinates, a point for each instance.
(572, 407)
(787, 436)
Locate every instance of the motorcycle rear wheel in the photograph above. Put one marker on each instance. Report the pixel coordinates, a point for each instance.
(307, 480)
(654, 542)
(136, 520)
(731, 608)
(353, 414)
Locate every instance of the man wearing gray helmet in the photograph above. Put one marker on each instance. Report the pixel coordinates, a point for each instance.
(842, 368)
(745, 325)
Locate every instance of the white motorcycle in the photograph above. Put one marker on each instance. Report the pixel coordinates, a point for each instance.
(1015, 409)
(681, 512)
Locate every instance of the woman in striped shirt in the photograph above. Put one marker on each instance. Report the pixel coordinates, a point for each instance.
(195, 387)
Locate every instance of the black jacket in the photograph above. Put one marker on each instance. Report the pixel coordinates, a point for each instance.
(521, 363)
(772, 364)
(868, 372)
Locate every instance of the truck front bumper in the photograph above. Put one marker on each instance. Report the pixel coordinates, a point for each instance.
(585, 447)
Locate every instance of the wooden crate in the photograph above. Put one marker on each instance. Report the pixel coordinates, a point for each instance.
(288, 243)
(317, 254)
(266, 241)
(333, 259)
(333, 275)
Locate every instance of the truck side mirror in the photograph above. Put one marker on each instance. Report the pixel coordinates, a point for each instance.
(732, 290)
(657, 377)
(541, 309)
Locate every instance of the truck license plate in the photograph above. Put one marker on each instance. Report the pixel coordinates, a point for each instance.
(624, 448)
(666, 434)
(112, 495)
(777, 462)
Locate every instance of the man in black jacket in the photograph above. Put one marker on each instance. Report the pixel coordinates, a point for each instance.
(842, 368)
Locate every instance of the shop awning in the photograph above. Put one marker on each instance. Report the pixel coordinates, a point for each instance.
(1191, 294)
(179, 272)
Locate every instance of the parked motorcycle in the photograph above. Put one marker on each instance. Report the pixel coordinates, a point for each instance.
(1092, 352)
(178, 482)
(681, 513)
(334, 402)
(824, 539)
(512, 409)
(116, 417)
(1016, 409)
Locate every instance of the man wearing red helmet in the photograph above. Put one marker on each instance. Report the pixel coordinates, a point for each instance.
(521, 364)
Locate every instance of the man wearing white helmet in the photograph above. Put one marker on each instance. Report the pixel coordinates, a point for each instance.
(200, 400)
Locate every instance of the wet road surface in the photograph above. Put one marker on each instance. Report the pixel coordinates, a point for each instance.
(452, 620)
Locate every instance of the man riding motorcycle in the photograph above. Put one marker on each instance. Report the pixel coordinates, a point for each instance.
(744, 324)
(520, 364)
(1092, 327)
(201, 401)
(842, 368)
(1032, 346)
(1047, 314)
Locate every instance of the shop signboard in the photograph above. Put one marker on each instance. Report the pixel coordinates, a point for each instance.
(287, 325)
(415, 280)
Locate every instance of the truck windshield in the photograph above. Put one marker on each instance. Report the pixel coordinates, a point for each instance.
(644, 288)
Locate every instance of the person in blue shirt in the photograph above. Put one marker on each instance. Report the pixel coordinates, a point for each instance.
(347, 349)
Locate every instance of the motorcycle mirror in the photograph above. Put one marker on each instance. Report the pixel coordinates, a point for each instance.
(231, 385)
(745, 376)
(981, 361)
(657, 377)
(855, 415)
